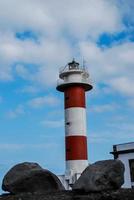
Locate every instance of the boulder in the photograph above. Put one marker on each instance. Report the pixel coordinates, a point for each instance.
(30, 177)
(100, 176)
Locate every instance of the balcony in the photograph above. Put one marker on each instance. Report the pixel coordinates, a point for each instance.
(61, 82)
(85, 82)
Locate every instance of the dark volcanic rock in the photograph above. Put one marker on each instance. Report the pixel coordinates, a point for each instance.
(122, 194)
(100, 176)
(30, 177)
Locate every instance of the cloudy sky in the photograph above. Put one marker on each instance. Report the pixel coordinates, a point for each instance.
(37, 37)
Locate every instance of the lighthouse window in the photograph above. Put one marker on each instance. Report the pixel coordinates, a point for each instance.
(67, 98)
(131, 165)
(68, 123)
(68, 150)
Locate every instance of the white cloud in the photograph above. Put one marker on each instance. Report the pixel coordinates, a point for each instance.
(16, 146)
(22, 71)
(118, 128)
(112, 66)
(46, 56)
(97, 138)
(131, 103)
(53, 123)
(126, 8)
(123, 85)
(104, 108)
(78, 17)
(39, 102)
(55, 23)
(30, 89)
(115, 136)
(18, 111)
(125, 127)
(8, 146)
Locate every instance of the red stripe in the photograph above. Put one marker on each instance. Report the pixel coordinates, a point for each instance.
(76, 148)
(74, 97)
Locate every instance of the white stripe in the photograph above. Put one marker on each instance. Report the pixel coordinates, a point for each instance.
(75, 166)
(75, 121)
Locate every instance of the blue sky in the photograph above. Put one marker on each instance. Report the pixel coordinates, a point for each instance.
(37, 37)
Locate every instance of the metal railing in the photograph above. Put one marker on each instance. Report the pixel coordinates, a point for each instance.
(83, 80)
(66, 68)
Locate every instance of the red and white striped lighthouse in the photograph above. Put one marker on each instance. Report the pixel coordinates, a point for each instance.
(74, 82)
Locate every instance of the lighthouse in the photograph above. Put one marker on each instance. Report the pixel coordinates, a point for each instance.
(74, 82)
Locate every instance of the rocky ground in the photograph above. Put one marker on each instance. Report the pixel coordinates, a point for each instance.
(99, 181)
(122, 194)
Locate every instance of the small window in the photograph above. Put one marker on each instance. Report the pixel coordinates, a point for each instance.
(131, 165)
(68, 123)
(68, 150)
(66, 98)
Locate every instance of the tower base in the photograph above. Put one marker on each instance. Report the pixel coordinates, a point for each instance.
(69, 181)
(74, 170)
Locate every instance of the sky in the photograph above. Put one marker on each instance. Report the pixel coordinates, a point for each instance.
(37, 37)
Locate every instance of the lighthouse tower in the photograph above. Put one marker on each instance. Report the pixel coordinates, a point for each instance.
(74, 82)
